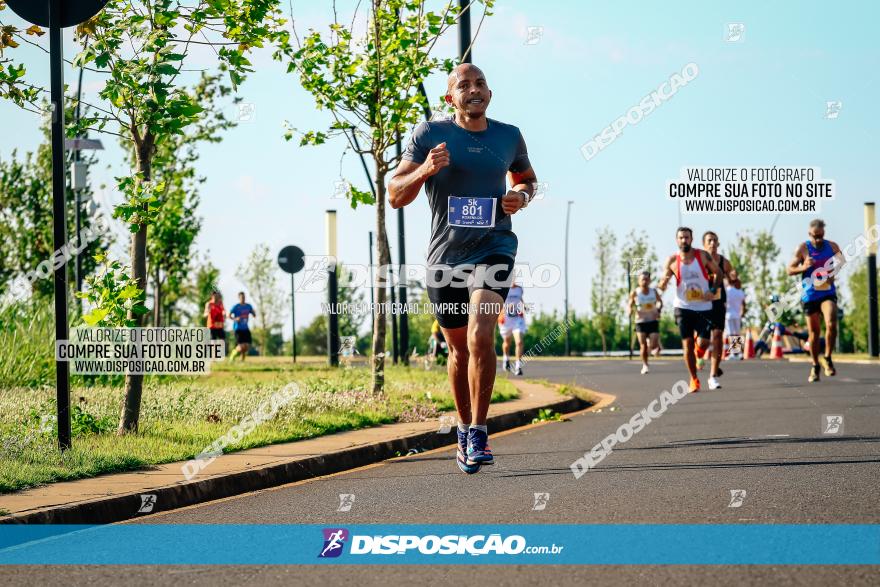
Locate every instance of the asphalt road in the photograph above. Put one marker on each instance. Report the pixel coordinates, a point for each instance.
(762, 433)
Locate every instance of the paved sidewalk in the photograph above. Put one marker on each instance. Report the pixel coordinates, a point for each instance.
(117, 497)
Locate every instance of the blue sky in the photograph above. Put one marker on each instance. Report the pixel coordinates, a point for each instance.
(758, 102)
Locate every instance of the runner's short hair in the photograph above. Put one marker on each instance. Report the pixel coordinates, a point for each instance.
(817, 223)
(241, 293)
(685, 229)
(707, 233)
(645, 274)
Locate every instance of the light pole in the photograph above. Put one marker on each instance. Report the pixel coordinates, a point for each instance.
(464, 32)
(56, 15)
(401, 276)
(870, 226)
(79, 183)
(567, 338)
(332, 291)
(372, 288)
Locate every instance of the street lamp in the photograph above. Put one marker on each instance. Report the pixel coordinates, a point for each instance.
(79, 183)
(567, 338)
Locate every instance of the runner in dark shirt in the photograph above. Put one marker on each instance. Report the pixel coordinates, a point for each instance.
(465, 165)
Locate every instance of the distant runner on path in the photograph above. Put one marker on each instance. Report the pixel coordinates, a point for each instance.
(241, 313)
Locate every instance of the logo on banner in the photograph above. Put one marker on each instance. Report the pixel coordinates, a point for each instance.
(334, 540)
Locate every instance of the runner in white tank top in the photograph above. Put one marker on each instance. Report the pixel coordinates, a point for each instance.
(692, 284)
(512, 324)
(693, 298)
(646, 303)
(736, 305)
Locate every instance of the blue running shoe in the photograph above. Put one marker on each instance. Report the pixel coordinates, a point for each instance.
(461, 455)
(478, 448)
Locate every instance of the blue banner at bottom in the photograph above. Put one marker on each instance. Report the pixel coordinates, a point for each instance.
(618, 544)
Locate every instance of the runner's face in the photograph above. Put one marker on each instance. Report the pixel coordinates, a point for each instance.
(643, 281)
(684, 241)
(469, 93)
(710, 243)
(817, 234)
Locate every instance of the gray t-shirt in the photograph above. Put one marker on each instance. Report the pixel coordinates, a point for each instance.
(478, 166)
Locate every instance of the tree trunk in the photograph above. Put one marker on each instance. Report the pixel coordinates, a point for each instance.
(134, 384)
(384, 259)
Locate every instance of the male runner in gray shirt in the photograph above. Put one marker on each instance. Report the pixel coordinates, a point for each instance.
(465, 164)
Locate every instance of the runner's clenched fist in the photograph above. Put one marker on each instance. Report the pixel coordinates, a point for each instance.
(512, 201)
(438, 158)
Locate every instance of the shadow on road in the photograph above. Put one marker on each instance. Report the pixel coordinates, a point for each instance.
(695, 466)
(750, 442)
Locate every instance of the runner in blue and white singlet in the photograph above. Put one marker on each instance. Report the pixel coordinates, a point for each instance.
(815, 262)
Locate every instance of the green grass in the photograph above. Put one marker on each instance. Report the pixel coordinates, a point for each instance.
(547, 415)
(181, 416)
(25, 357)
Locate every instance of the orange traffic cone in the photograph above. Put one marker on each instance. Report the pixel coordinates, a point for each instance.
(776, 349)
(750, 345)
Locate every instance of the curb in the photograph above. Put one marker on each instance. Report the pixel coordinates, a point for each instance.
(125, 507)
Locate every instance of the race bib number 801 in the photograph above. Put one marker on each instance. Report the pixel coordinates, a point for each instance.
(472, 212)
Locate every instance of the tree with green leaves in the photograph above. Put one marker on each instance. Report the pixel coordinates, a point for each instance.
(312, 339)
(756, 258)
(637, 254)
(204, 280)
(26, 219)
(141, 49)
(370, 86)
(638, 251)
(605, 296)
(857, 309)
(169, 249)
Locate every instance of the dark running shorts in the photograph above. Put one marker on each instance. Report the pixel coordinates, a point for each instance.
(690, 321)
(450, 288)
(816, 305)
(243, 336)
(649, 327)
(719, 309)
(218, 334)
